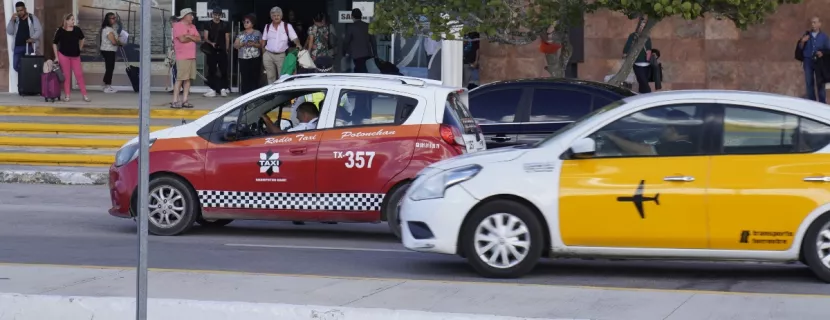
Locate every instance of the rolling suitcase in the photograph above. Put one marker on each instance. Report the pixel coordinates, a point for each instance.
(31, 66)
(132, 71)
(50, 82)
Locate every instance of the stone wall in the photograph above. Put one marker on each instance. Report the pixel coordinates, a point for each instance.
(699, 54)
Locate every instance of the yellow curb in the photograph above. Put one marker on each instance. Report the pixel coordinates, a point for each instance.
(73, 128)
(38, 111)
(56, 159)
(61, 142)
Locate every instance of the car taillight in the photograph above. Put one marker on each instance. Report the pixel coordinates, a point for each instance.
(452, 136)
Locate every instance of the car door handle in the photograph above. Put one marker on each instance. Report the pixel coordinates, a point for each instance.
(501, 139)
(817, 179)
(298, 150)
(679, 178)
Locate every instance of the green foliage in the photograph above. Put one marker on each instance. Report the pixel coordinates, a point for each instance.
(505, 21)
(743, 12)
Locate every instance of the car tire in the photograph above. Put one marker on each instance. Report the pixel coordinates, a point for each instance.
(818, 234)
(216, 223)
(514, 215)
(181, 207)
(391, 208)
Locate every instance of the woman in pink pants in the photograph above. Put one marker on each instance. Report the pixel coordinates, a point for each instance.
(67, 45)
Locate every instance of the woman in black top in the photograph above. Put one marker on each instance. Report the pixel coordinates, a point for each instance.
(67, 45)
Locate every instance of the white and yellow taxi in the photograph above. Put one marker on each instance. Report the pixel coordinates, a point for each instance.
(704, 175)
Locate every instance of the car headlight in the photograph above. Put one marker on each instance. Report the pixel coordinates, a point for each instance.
(128, 153)
(433, 187)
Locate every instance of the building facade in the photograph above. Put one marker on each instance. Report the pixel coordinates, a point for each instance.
(704, 53)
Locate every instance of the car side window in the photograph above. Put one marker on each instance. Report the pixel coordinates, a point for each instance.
(495, 106)
(748, 130)
(673, 130)
(559, 105)
(361, 108)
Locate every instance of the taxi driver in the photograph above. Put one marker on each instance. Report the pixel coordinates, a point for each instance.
(674, 140)
(307, 114)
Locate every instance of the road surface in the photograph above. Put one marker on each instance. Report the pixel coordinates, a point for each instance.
(69, 225)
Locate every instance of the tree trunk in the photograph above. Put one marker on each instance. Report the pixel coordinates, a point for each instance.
(631, 56)
(558, 62)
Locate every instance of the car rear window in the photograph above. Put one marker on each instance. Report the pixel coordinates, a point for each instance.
(458, 115)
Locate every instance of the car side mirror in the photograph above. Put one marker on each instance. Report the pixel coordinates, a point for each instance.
(286, 124)
(231, 132)
(584, 148)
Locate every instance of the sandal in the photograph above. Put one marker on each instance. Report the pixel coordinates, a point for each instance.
(175, 105)
(86, 98)
(186, 105)
(66, 99)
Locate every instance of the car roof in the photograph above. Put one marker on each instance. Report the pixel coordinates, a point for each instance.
(763, 98)
(378, 79)
(567, 81)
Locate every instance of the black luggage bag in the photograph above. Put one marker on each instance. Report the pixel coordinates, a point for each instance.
(132, 71)
(28, 79)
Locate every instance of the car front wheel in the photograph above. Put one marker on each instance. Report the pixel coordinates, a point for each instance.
(817, 247)
(172, 207)
(502, 239)
(392, 209)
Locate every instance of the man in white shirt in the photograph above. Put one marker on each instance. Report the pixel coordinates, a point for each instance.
(307, 113)
(275, 39)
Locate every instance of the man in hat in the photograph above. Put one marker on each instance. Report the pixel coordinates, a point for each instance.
(185, 37)
(216, 35)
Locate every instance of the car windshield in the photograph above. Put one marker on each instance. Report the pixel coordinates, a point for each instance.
(606, 108)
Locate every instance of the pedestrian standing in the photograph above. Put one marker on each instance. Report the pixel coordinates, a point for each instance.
(67, 46)
(359, 44)
(277, 37)
(216, 48)
(320, 41)
(248, 43)
(470, 57)
(641, 65)
(109, 44)
(26, 30)
(811, 45)
(185, 37)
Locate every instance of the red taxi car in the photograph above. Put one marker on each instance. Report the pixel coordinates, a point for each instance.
(374, 133)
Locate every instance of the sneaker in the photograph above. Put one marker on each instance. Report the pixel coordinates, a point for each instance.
(110, 90)
(225, 92)
(210, 94)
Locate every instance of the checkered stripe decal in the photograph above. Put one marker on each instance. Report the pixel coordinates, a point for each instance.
(291, 201)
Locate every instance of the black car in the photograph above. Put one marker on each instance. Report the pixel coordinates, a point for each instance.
(525, 111)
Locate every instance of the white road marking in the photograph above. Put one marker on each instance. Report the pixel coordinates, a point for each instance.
(314, 248)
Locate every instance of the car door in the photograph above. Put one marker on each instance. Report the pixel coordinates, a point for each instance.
(372, 139)
(551, 108)
(495, 109)
(767, 177)
(626, 196)
(253, 175)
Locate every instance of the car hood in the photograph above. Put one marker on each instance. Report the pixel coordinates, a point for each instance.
(481, 157)
(160, 134)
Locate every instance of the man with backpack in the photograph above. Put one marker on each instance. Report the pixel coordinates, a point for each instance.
(277, 37)
(26, 30)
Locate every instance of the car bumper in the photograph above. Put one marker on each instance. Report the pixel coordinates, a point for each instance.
(122, 182)
(433, 225)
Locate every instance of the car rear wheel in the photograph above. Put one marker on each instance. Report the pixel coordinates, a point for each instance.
(392, 208)
(817, 247)
(172, 207)
(213, 223)
(502, 239)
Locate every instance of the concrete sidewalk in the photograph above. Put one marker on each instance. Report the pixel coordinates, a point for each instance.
(229, 294)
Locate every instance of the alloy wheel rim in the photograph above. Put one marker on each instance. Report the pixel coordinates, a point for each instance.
(167, 207)
(823, 245)
(502, 240)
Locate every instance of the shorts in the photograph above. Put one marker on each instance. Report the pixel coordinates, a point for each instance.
(185, 69)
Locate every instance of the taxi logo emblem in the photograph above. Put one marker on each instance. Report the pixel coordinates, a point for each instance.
(638, 199)
(269, 163)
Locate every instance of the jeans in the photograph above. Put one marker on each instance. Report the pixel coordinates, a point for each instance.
(19, 51)
(250, 72)
(360, 65)
(220, 81)
(109, 66)
(641, 73)
(71, 65)
(811, 82)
